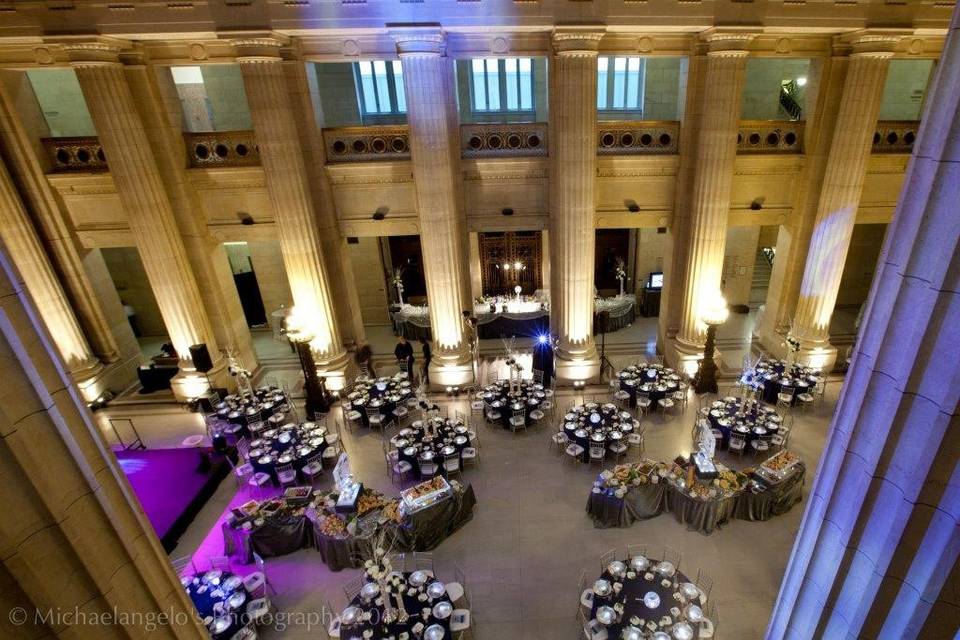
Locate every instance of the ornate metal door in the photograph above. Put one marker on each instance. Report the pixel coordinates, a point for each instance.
(508, 259)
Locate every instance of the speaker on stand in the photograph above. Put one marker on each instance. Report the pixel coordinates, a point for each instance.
(202, 362)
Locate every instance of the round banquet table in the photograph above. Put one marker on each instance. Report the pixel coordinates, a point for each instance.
(755, 421)
(221, 600)
(655, 380)
(416, 601)
(245, 409)
(776, 374)
(293, 444)
(676, 598)
(430, 442)
(380, 393)
(497, 396)
(595, 424)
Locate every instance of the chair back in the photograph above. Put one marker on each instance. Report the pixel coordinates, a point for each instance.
(519, 413)
(704, 583)
(538, 376)
(606, 558)
(243, 448)
(352, 588)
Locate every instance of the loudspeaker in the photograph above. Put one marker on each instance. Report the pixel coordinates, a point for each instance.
(201, 358)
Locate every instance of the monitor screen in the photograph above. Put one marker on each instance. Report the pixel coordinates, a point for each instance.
(656, 280)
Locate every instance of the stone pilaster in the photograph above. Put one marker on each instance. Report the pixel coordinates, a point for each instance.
(288, 184)
(75, 540)
(876, 555)
(152, 222)
(710, 197)
(428, 81)
(840, 197)
(18, 234)
(573, 172)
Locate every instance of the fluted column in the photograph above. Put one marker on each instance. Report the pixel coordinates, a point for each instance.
(710, 198)
(840, 197)
(877, 552)
(75, 540)
(573, 171)
(288, 184)
(149, 212)
(21, 239)
(428, 81)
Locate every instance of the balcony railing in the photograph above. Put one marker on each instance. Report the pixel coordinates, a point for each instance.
(770, 136)
(895, 136)
(75, 154)
(363, 144)
(222, 149)
(637, 137)
(503, 140)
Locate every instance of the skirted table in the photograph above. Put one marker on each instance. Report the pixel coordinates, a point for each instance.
(775, 375)
(654, 380)
(760, 499)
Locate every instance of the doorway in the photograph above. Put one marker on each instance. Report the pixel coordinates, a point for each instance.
(245, 279)
(510, 259)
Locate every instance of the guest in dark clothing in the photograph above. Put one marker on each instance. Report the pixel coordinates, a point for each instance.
(427, 355)
(365, 357)
(404, 353)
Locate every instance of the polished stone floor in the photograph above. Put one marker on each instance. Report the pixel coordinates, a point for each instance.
(530, 537)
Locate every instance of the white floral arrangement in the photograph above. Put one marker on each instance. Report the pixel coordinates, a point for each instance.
(792, 343)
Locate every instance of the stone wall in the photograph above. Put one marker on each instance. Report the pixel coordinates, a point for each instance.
(738, 260)
(861, 264)
(369, 280)
(271, 275)
(130, 279)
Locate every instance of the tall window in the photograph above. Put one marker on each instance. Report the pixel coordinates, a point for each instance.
(501, 84)
(380, 84)
(620, 84)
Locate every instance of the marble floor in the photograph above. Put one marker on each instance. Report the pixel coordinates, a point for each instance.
(530, 537)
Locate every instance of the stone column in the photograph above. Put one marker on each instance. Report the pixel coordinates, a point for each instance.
(140, 188)
(573, 172)
(428, 81)
(826, 79)
(877, 552)
(76, 542)
(18, 234)
(840, 197)
(710, 198)
(281, 155)
(158, 104)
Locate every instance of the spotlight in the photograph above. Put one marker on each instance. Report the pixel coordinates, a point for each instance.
(579, 384)
(632, 206)
(380, 213)
(757, 204)
(802, 81)
(507, 211)
(543, 338)
(245, 218)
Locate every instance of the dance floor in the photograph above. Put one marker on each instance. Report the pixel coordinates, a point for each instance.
(171, 487)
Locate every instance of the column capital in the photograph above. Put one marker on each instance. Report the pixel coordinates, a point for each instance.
(870, 43)
(254, 47)
(577, 41)
(87, 51)
(728, 44)
(426, 41)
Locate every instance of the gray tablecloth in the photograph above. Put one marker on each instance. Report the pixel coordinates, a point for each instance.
(647, 501)
(424, 531)
(276, 537)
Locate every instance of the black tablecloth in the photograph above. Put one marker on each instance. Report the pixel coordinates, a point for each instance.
(444, 435)
(771, 372)
(411, 604)
(499, 391)
(276, 537)
(632, 378)
(759, 420)
(613, 425)
(205, 597)
(632, 597)
(387, 406)
(508, 327)
(649, 500)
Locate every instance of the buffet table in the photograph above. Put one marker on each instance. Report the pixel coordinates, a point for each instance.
(645, 489)
(621, 312)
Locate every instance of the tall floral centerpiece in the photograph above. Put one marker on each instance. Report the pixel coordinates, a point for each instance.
(380, 570)
(793, 348)
(397, 282)
(621, 273)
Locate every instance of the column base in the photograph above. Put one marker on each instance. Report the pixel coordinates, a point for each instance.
(817, 354)
(576, 363)
(87, 377)
(685, 356)
(334, 371)
(453, 369)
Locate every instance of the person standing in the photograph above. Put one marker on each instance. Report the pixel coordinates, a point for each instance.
(131, 318)
(404, 354)
(427, 355)
(365, 358)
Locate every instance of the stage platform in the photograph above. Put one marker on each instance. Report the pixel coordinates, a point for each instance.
(172, 486)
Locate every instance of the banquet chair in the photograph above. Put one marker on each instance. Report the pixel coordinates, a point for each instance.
(243, 449)
(806, 400)
(537, 415)
(241, 472)
(245, 633)
(451, 464)
(459, 416)
(457, 590)
(460, 622)
(470, 456)
(672, 556)
(665, 404)
(619, 450)
(593, 630)
(737, 444)
(476, 404)
(574, 451)
(423, 561)
(760, 445)
(493, 376)
(779, 439)
(398, 468)
(184, 566)
(708, 627)
(352, 416)
(559, 440)
(333, 629)
(518, 420)
(220, 563)
(634, 550)
(643, 402)
(398, 561)
(635, 441)
(658, 359)
(428, 470)
(705, 585)
(375, 418)
(331, 452)
(287, 475)
(352, 587)
(606, 558)
(584, 599)
(401, 413)
(313, 468)
(597, 453)
(258, 610)
(785, 397)
(257, 480)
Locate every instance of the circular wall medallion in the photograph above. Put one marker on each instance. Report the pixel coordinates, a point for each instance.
(198, 51)
(916, 46)
(351, 48)
(42, 55)
(499, 45)
(645, 44)
(784, 45)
